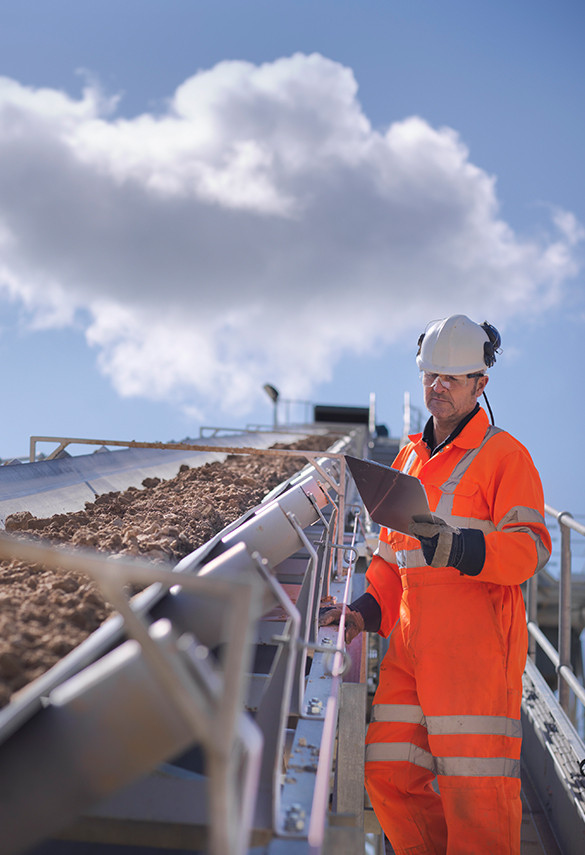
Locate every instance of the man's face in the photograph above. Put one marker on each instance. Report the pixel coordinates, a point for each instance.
(449, 398)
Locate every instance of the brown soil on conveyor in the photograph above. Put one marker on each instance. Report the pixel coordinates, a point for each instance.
(44, 614)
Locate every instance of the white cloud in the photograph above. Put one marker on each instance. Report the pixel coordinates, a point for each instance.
(257, 229)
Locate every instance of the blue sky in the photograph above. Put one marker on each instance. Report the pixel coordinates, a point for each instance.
(201, 196)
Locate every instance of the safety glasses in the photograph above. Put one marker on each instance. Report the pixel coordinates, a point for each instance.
(448, 381)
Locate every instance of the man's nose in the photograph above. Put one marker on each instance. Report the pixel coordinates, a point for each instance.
(436, 382)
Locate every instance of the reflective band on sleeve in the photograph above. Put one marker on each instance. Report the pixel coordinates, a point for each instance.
(385, 551)
(517, 519)
(410, 558)
(442, 725)
(469, 767)
(400, 751)
(410, 713)
(521, 514)
(542, 552)
(486, 526)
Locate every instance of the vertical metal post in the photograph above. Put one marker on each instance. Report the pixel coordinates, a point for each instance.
(372, 415)
(341, 515)
(406, 416)
(532, 611)
(565, 608)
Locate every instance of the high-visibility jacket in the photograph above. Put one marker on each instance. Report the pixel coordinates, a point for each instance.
(448, 700)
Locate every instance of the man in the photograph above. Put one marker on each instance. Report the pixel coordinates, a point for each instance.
(447, 708)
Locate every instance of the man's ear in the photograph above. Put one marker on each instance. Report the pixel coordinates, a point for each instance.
(482, 383)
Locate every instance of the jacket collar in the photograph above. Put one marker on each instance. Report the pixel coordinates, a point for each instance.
(468, 434)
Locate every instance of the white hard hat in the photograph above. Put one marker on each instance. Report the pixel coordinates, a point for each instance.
(457, 345)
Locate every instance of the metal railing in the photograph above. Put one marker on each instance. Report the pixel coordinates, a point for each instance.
(187, 445)
(265, 539)
(561, 658)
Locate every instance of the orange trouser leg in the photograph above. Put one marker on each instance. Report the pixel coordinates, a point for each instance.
(408, 809)
(481, 819)
(448, 701)
(484, 818)
(402, 795)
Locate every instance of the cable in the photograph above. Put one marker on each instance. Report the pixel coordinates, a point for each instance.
(489, 408)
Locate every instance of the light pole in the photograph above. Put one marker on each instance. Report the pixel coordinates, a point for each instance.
(273, 395)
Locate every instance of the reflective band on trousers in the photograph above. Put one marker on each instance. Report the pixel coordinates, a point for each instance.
(472, 767)
(442, 725)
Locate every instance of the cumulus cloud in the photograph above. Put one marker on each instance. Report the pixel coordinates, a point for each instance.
(257, 228)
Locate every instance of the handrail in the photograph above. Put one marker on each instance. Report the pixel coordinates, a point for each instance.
(560, 658)
(64, 441)
(569, 522)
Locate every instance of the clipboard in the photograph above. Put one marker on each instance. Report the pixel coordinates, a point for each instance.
(391, 497)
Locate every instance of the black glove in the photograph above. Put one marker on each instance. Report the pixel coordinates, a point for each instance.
(363, 615)
(446, 546)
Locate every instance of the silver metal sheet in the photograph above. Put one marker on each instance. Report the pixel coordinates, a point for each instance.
(391, 497)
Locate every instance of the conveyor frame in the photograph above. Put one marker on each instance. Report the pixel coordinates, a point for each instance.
(171, 653)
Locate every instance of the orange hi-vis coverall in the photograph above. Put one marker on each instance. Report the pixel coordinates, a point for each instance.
(448, 702)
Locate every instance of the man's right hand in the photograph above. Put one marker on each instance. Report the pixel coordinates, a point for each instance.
(354, 621)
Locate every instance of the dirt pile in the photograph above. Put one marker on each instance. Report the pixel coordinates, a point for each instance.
(44, 615)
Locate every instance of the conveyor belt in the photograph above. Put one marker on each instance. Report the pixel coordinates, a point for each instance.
(65, 484)
(77, 743)
(88, 739)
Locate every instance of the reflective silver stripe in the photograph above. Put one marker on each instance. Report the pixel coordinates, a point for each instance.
(385, 551)
(516, 520)
(396, 751)
(521, 514)
(409, 558)
(486, 526)
(445, 507)
(479, 767)
(410, 713)
(442, 725)
(542, 552)
(457, 474)
(472, 767)
(409, 461)
(406, 558)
